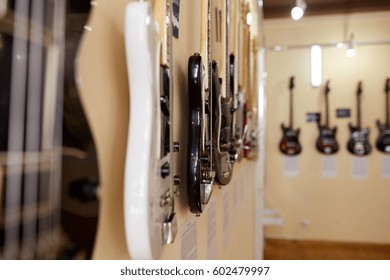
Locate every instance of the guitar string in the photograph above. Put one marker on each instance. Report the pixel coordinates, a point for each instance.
(32, 144)
(51, 137)
(169, 30)
(16, 134)
(387, 91)
(210, 93)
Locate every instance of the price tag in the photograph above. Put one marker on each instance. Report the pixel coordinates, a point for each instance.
(343, 113)
(313, 117)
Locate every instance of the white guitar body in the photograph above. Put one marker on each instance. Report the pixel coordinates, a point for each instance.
(147, 195)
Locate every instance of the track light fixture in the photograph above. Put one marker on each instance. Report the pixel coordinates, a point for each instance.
(299, 9)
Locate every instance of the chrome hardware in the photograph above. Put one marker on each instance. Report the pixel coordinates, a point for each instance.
(169, 229)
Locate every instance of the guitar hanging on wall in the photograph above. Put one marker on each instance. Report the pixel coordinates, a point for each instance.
(326, 141)
(200, 167)
(150, 220)
(240, 128)
(289, 145)
(383, 141)
(224, 152)
(359, 143)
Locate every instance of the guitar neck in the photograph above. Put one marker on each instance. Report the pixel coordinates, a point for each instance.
(291, 109)
(227, 65)
(359, 116)
(326, 111)
(166, 35)
(387, 109)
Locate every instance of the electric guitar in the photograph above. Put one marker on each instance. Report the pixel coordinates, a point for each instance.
(150, 220)
(224, 152)
(241, 114)
(383, 141)
(251, 149)
(289, 144)
(200, 166)
(359, 143)
(326, 142)
(249, 118)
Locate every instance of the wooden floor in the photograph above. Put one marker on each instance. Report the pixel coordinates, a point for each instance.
(278, 249)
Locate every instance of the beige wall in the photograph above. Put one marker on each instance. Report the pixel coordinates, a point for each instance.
(105, 95)
(312, 206)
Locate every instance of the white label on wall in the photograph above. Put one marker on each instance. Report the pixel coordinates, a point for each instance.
(212, 230)
(189, 240)
(225, 219)
(386, 167)
(329, 166)
(359, 168)
(291, 166)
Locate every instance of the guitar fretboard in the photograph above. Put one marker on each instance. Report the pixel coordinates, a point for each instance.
(327, 90)
(209, 78)
(227, 65)
(359, 116)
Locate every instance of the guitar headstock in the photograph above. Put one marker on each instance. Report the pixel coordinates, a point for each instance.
(327, 88)
(359, 90)
(291, 85)
(387, 88)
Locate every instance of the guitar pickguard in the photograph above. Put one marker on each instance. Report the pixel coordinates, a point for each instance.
(326, 141)
(358, 143)
(222, 128)
(383, 141)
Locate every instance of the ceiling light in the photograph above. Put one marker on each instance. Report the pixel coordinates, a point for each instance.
(351, 47)
(299, 9)
(316, 66)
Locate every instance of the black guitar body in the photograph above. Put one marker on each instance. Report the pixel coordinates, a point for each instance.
(383, 141)
(289, 144)
(359, 143)
(326, 141)
(195, 84)
(165, 79)
(222, 128)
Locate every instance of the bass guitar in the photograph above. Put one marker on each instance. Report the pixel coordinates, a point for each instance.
(289, 144)
(359, 143)
(383, 141)
(200, 166)
(326, 141)
(223, 144)
(150, 220)
(239, 127)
